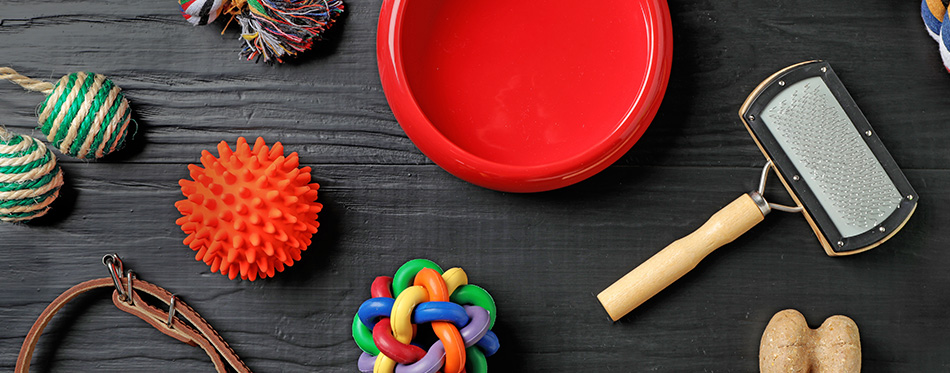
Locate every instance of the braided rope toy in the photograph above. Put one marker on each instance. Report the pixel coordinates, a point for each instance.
(249, 212)
(461, 316)
(84, 115)
(271, 29)
(30, 179)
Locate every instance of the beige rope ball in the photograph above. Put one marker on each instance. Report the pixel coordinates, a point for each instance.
(84, 115)
(30, 179)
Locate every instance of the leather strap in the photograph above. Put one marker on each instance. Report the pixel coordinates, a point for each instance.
(198, 333)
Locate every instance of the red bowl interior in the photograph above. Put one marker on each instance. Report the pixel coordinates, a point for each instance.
(524, 96)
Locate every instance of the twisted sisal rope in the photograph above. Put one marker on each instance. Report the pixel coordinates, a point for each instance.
(29, 178)
(26, 82)
(4, 134)
(84, 115)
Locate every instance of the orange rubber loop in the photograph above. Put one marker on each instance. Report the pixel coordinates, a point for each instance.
(447, 332)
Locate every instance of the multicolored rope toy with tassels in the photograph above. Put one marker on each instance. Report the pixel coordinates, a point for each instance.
(84, 115)
(461, 317)
(30, 179)
(271, 29)
(937, 23)
(249, 212)
(201, 12)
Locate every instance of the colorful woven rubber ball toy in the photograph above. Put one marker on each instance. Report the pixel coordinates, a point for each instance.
(271, 29)
(30, 179)
(249, 212)
(84, 115)
(461, 316)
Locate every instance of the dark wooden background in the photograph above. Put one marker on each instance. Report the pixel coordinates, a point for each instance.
(542, 256)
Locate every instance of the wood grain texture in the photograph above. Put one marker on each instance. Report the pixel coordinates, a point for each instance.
(542, 256)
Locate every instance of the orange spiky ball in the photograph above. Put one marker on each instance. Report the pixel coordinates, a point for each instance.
(249, 212)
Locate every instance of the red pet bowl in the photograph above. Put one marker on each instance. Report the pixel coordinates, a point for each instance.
(524, 96)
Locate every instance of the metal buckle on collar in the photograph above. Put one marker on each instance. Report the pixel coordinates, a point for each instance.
(114, 264)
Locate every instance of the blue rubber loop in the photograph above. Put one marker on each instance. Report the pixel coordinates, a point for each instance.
(440, 311)
(489, 343)
(373, 309)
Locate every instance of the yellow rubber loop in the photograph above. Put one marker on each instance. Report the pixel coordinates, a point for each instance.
(454, 278)
(401, 317)
(401, 321)
(384, 364)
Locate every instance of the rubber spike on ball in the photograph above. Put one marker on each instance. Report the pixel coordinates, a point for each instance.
(249, 212)
(84, 115)
(30, 179)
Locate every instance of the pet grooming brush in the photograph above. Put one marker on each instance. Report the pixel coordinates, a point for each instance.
(824, 151)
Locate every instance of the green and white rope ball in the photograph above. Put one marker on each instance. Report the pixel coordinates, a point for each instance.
(84, 115)
(30, 179)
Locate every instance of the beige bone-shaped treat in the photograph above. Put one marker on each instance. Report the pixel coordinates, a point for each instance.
(789, 345)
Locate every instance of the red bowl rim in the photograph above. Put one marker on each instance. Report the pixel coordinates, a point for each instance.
(514, 178)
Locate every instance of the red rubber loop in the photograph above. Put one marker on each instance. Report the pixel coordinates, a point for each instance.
(389, 346)
(381, 287)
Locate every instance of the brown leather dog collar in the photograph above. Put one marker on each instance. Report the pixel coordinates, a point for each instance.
(196, 332)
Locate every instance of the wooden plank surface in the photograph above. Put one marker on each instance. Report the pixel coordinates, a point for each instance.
(542, 256)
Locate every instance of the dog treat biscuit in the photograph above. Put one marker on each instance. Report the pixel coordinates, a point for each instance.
(789, 345)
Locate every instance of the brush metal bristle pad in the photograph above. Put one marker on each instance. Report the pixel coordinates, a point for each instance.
(830, 158)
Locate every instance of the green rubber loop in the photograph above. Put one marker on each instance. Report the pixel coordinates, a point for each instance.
(475, 295)
(364, 337)
(405, 274)
(476, 360)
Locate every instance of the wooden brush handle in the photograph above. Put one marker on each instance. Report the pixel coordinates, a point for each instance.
(681, 256)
